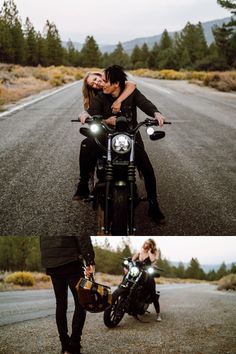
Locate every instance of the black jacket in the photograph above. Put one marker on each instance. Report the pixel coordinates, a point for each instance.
(101, 105)
(60, 250)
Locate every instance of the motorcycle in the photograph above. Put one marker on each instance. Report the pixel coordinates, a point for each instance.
(131, 296)
(114, 191)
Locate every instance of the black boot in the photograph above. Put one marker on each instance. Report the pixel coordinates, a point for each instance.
(155, 212)
(82, 191)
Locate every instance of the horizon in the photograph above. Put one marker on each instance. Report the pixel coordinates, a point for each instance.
(183, 248)
(102, 22)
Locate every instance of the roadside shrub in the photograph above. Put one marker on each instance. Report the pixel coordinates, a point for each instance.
(41, 277)
(56, 80)
(228, 282)
(20, 278)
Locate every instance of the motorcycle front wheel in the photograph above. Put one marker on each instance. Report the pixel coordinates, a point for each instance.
(119, 218)
(114, 314)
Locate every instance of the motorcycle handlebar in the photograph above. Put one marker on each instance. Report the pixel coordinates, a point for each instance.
(146, 121)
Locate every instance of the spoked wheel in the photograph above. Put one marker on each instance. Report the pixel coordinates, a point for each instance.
(114, 314)
(120, 211)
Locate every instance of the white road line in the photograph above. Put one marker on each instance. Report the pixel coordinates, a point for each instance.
(23, 105)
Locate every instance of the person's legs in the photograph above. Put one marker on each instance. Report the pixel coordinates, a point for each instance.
(60, 287)
(155, 296)
(144, 165)
(78, 316)
(87, 160)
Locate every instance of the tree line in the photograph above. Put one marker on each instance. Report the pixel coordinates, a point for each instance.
(23, 253)
(188, 49)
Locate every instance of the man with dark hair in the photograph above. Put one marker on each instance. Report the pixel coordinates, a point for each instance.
(114, 82)
(64, 258)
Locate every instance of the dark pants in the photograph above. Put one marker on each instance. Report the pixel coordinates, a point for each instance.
(90, 152)
(60, 285)
(151, 288)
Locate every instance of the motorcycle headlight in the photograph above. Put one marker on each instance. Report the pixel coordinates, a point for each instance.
(150, 270)
(121, 143)
(94, 128)
(126, 262)
(150, 130)
(134, 271)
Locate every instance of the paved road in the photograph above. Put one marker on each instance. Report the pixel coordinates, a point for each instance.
(194, 164)
(196, 319)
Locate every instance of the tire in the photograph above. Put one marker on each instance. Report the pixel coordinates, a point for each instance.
(119, 217)
(114, 314)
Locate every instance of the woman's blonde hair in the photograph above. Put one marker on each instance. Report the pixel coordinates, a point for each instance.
(88, 92)
(153, 246)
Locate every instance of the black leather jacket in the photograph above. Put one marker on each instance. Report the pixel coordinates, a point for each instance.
(101, 105)
(60, 250)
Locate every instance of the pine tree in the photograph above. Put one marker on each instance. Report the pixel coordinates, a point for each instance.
(194, 271)
(42, 50)
(90, 53)
(165, 41)
(12, 35)
(31, 55)
(192, 40)
(54, 46)
(136, 58)
(153, 57)
(222, 271)
(119, 57)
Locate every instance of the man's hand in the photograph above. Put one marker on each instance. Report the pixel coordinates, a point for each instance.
(158, 116)
(116, 106)
(88, 271)
(83, 116)
(111, 120)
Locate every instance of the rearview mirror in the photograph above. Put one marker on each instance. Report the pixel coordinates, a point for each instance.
(157, 135)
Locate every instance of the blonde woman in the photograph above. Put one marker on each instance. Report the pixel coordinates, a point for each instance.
(93, 83)
(149, 255)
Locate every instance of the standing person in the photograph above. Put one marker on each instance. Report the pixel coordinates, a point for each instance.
(149, 255)
(64, 257)
(93, 83)
(114, 84)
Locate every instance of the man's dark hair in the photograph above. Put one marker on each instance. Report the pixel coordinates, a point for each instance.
(115, 74)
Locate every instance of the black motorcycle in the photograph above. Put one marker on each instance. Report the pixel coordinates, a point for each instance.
(131, 296)
(114, 192)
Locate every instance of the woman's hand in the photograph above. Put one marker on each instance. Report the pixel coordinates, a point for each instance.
(111, 120)
(83, 116)
(116, 106)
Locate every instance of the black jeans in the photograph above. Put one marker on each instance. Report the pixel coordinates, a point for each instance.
(90, 152)
(151, 288)
(61, 283)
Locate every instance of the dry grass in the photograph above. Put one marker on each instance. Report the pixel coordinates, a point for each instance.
(222, 81)
(227, 283)
(18, 82)
(18, 281)
(43, 281)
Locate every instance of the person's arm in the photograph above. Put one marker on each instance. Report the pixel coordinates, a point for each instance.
(148, 107)
(85, 246)
(129, 88)
(152, 256)
(135, 256)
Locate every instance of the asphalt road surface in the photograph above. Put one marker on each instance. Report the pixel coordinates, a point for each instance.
(196, 319)
(194, 164)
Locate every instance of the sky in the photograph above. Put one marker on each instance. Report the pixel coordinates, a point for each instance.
(110, 21)
(207, 249)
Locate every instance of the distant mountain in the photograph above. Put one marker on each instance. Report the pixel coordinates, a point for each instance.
(129, 45)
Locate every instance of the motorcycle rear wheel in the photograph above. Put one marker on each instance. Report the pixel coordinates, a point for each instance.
(114, 314)
(119, 211)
